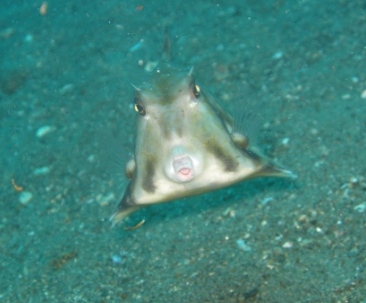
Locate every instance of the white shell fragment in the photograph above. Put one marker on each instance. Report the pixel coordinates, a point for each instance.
(44, 130)
(242, 245)
(136, 46)
(278, 55)
(25, 197)
(41, 171)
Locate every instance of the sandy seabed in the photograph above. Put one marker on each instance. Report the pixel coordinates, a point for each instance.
(65, 75)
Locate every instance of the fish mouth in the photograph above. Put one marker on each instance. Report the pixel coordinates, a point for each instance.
(183, 168)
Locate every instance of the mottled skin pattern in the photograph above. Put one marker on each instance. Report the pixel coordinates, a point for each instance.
(185, 145)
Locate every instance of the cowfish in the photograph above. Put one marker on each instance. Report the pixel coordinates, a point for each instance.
(185, 145)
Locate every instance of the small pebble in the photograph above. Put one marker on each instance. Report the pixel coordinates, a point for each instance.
(116, 259)
(41, 171)
(137, 46)
(220, 47)
(242, 245)
(360, 207)
(277, 56)
(355, 79)
(28, 38)
(266, 200)
(363, 94)
(91, 158)
(287, 244)
(150, 65)
(314, 131)
(44, 130)
(25, 197)
(303, 219)
(285, 142)
(67, 88)
(229, 212)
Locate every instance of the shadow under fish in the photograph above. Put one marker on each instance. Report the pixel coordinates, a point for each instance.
(185, 145)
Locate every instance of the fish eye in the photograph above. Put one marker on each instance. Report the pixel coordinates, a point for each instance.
(196, 91)
(140, 109)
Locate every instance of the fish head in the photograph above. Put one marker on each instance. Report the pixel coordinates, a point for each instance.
(174, 126)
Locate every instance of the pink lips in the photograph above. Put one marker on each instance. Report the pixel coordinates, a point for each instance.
(184, 171)
(183, 168)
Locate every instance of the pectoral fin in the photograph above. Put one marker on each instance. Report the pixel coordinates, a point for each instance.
(126, 207)
(266, 167)
(130, 169)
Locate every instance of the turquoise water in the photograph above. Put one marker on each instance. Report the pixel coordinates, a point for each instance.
(65, 90)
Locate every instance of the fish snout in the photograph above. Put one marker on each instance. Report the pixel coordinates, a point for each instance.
(183, 164)
(183, 168)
